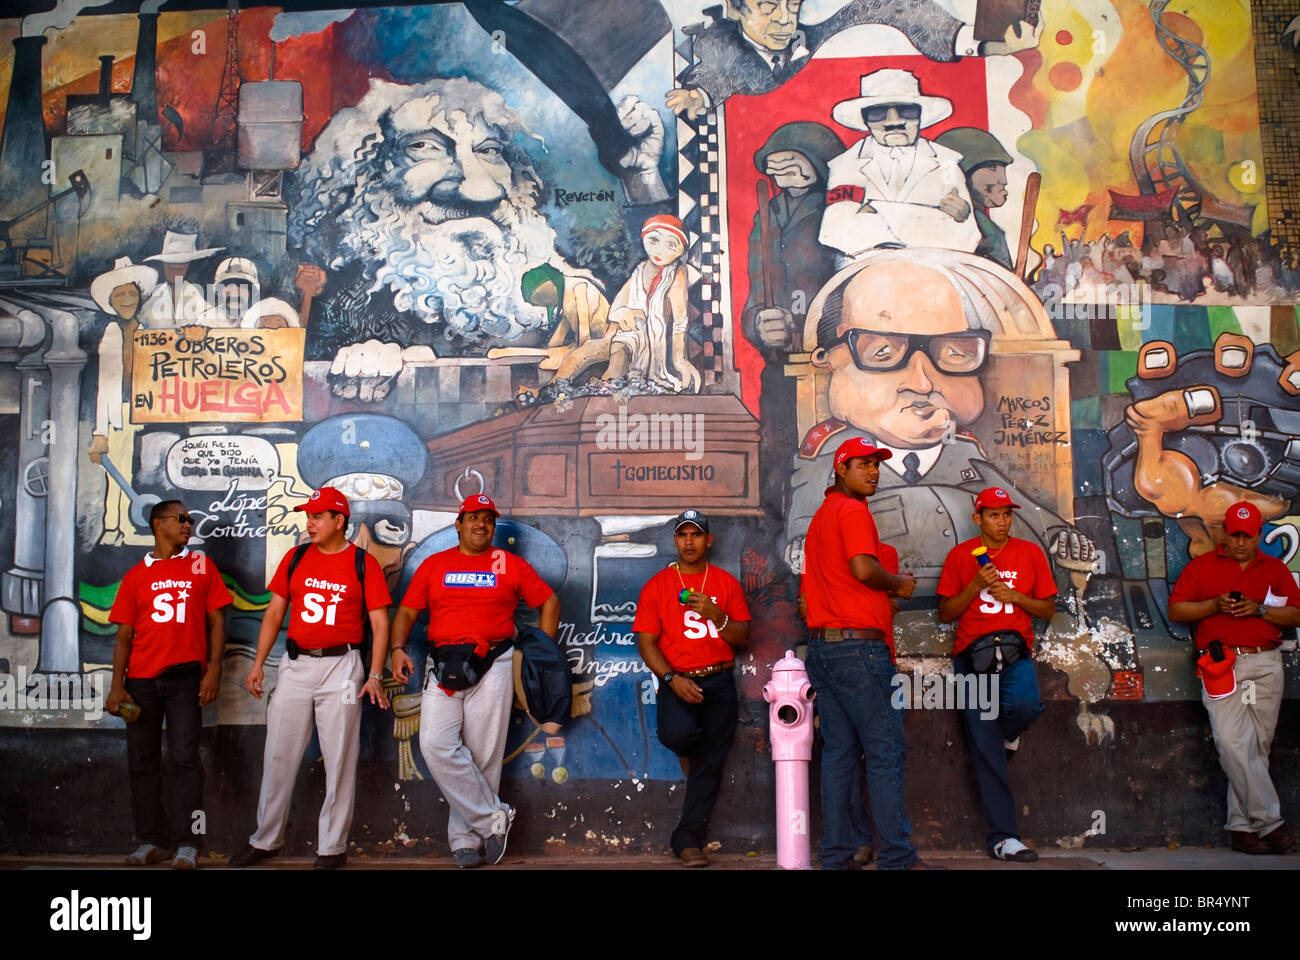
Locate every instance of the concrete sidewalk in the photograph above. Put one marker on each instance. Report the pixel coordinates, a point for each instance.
(1155, 858)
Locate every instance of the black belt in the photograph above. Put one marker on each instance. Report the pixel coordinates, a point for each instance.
(835, 634)
(337, 650)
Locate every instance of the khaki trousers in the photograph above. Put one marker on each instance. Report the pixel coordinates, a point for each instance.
(324, 692)
(1243, 734)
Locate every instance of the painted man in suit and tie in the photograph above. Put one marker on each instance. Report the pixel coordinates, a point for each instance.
(754, 46)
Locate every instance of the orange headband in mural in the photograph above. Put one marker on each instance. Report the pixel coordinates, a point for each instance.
(667, 222)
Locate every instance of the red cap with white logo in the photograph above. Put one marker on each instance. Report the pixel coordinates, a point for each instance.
(995, 497)
(326, 498)
(1243, 517)
(479, 502)
(859, 447)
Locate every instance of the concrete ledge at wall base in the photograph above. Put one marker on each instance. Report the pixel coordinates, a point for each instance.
(1155, 858)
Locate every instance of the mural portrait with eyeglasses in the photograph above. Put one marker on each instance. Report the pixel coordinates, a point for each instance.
(902, 350)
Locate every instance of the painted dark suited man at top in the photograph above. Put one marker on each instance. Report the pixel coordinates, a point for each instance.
(754, 46)
(908, 378)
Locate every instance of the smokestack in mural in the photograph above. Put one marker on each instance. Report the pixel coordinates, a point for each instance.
(105, 77)
(144, 82)
(23, 145)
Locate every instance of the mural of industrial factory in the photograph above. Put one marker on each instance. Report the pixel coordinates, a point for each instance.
(606, 260)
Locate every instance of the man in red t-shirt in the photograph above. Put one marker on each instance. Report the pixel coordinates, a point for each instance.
(690, 644)
(319, 679)
(171, 636)
(1240, 599)
(471, 591)
(992, 604)
(851, 663)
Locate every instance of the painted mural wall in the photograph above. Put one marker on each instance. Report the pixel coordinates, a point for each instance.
(247, 252)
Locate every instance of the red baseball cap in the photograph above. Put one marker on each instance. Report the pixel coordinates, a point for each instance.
(1243, 517)
(326, 498)
(995, 497)
(859, 447)
(479, 502)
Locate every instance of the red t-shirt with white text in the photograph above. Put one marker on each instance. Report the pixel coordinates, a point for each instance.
(325, 596)
(166, 602)
(474, 595)
(1021, 565)
(842, 528)
(688, 640)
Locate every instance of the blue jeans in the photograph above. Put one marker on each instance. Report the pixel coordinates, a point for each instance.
(1018, 707)
(852, 680)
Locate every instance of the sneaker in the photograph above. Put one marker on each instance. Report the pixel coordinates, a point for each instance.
(1011, 747)
(146, 854)
(467, 857)
(186, 858)
(1012, 849)
(330, 862)
(693, 857)
(494, 847)
(251, 855)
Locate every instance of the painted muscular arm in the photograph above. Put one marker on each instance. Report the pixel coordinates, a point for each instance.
(647, 645)
(117, 694)
(271, 620)
(210, 685)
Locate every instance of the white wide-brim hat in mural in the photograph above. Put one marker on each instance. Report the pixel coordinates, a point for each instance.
(124, 271)
(890, 86)
(270, 307)
(236, 268)
(182, 248)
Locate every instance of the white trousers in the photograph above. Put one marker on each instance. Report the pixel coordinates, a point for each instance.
(324, 692)
(1243, 734)
(462, 739)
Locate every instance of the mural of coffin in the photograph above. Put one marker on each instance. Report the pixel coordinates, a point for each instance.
(597, 455)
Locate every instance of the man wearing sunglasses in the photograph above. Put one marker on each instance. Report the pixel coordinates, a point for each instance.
(904, 349)
(171, 635)
(894, 187)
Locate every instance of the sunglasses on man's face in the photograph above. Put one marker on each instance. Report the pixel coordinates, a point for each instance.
(181, 518)
(906, 111)
(874, 351)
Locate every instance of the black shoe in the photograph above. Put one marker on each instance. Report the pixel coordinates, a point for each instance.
(251, 855)
(331, 862)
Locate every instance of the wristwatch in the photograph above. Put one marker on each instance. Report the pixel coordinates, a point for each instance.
(1261, 611)
(667, 678)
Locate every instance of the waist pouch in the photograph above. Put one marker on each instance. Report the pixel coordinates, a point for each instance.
(458, 666)
(995, 651)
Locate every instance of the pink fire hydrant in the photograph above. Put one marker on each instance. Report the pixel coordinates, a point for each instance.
(789, 696)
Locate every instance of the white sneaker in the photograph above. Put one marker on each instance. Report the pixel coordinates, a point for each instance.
(146, 854)
(1012, 849)
(186, 858)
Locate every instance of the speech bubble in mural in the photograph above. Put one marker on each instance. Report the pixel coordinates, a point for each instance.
(211, 462)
